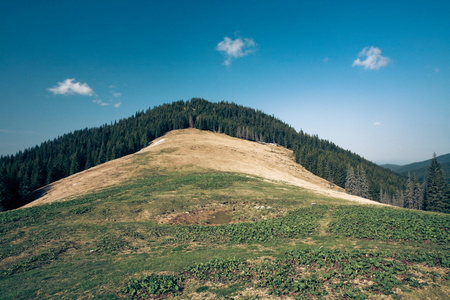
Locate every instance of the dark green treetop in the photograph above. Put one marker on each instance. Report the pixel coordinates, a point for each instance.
(437, 195)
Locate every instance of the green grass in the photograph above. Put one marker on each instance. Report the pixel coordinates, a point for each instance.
(391, 225)
(109, 245)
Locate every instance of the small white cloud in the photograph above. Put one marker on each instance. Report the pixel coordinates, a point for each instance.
(100, 102)
(236, 48)
(69, 87)
(377, 123)
(373, 59)
(117, 95)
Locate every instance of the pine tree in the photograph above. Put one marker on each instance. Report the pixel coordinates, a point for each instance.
(385, 198)
(75, 166)
(238, 132)
(101, 155)
(398, 200)
(330, 175)
(350, 183)
(89, 162)
(144, 140)
(4, 197)
(50, 173)
(418, 193)
(37, 175)
(409, 193)
(363, 186)
(436, 193)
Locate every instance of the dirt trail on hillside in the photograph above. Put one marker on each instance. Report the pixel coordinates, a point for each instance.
(192, 149)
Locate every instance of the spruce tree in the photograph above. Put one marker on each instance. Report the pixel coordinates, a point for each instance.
(350, 183)
(436, 193)
(4, 199)
(363, 186)
(330, 175)
(409, 193)
(418, 193)
(398, 199)
(75, 164)
(37, 176)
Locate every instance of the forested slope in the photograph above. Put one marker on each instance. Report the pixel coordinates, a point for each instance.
(420, 169)
(27, 170)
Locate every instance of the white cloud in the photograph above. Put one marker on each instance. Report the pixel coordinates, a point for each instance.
(377, 123)
(100, 102)
(69, 87)
(373, 59)
(117, 95)
(236, 48)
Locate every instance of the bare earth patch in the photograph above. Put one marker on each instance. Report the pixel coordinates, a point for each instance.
(199, 217)
(192, 149)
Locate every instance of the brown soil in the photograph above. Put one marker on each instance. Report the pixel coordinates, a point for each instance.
(199, 217)
(192, 149)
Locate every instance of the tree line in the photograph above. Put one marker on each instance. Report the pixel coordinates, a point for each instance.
(431, 195)
(24, 172)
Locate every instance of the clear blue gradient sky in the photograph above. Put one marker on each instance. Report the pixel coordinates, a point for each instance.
(371, 76)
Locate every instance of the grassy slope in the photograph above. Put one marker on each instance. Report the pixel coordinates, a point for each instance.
(102, 245)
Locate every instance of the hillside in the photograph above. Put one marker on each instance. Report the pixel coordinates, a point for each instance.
(420, 169)
(190, 149)
(28, 170)
(202, 215)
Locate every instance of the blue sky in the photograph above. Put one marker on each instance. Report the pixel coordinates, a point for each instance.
(371, 76)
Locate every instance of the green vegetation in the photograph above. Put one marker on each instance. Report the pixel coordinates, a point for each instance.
(152, 285)
(317, 272)
(420, 169)
(437, 196)
(389, 224)
(427, 189)
(22, 173)
(113, 244)
(356, 184)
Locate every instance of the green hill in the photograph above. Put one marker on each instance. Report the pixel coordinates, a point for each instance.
(22, 173)
(420, 169)
(391, 167)
(133, 241)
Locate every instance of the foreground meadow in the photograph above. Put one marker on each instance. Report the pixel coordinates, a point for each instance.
(152, 237)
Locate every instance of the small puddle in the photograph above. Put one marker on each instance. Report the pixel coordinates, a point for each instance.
(219, 218)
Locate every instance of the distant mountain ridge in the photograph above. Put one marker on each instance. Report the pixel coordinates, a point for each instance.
(420, 169)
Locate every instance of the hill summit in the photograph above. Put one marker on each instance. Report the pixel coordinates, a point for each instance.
(21, 174)
(193, 150)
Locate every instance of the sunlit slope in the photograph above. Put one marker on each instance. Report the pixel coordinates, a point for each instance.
(194, 150)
